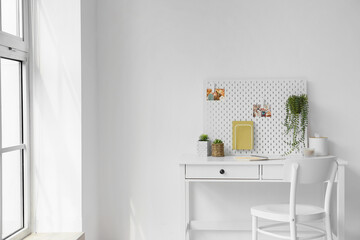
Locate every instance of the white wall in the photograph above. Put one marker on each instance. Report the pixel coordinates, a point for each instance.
(152, 59)
(57, 116)
(89, 125)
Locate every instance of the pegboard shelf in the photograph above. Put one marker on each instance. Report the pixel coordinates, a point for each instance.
(240, 95)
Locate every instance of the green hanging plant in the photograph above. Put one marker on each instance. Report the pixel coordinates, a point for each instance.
(296, 120)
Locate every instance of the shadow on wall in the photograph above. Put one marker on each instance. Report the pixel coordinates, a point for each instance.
(353, 199)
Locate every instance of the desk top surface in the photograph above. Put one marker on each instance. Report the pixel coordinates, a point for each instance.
(231, 160)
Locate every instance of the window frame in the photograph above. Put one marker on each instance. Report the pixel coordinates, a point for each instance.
(17, 48)
(15, 42)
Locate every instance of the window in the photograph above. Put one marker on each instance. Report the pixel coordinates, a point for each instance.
(14, 120)
(11, 17)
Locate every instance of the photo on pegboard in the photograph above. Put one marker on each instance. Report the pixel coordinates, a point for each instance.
(263, 110)
(218, 94)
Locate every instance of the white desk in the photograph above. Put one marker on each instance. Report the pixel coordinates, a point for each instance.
(228, 169)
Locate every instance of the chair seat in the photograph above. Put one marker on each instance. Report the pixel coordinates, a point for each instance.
(280, 212)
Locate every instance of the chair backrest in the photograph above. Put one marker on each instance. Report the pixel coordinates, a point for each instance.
(310, 170)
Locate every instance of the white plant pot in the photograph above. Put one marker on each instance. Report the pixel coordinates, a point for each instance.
(203, 148)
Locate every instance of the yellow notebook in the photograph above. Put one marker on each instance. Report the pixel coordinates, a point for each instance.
(243, 135)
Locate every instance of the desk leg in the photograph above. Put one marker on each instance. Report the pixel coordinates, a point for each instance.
(341, 203)
(184, 195)
(187, 210)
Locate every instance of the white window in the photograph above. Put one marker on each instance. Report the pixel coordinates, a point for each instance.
(14, 120)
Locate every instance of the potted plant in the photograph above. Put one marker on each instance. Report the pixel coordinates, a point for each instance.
(203, 146)
(217, 148)
(296, 121)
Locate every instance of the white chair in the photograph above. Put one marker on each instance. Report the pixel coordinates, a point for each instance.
(299, 171)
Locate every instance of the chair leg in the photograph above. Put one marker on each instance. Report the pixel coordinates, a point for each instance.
(328, 228)
(293, 230)
(254, 228)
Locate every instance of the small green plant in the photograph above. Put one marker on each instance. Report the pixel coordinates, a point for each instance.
(203, 137)
(296, 120)
(217, 141)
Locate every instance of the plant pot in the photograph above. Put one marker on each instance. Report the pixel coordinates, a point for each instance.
(217, 150)
(203, 148)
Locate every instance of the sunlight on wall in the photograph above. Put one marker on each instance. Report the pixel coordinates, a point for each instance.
(57, 116)
(136, 231)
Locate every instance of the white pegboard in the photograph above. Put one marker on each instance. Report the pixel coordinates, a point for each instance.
(240, 95)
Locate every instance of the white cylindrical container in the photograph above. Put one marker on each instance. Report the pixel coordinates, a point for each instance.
(320, 145)
(203, 148)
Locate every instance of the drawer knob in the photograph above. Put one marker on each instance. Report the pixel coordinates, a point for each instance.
(222, 171)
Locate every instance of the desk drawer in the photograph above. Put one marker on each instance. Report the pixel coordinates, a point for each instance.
(223, 171)
(272, 172)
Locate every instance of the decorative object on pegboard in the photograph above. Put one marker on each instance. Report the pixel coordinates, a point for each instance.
(218, 94)
(261, 110)
(296, 121)
(203, 146)
(243, 135)
(217, 148)
(213, 93)
(241, 95)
